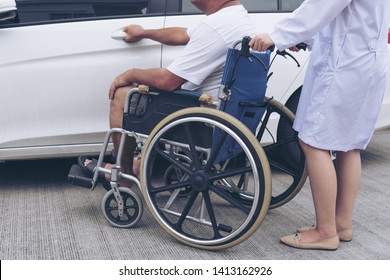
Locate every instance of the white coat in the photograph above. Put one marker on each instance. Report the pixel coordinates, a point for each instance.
(346, 77)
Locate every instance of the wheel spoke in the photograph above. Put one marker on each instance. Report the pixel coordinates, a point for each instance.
(283, 168)
(111, 208)
(264, 123)
(215, 150)
(186, 210)
(170, 187)
(194, 156)
(229, 198)
(210, 210)
(130, 207)
(277, 145)
(230, 173)
(172, 160)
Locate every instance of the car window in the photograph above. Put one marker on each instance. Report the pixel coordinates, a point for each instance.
(46, 11)
(252, 6)
(290, 5)
(271, 5)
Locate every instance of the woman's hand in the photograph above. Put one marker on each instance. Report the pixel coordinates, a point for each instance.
(261, 42)
(294, 49)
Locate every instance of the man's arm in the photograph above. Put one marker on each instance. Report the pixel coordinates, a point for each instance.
(159, 77)
(173, 36)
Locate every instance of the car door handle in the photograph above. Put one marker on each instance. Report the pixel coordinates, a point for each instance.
(118, 34)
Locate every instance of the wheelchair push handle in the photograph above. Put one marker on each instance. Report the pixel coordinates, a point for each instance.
(245, 45)
(245, 49)
(301, 46)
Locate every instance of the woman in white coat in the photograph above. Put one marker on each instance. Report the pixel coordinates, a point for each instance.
(339, 104)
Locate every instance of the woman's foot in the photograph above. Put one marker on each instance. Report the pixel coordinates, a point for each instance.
(297, 241)
(344, 235)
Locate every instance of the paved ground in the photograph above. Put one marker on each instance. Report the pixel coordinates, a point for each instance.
(44, 217)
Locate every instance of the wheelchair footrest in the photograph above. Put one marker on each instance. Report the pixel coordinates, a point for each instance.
(77, 177)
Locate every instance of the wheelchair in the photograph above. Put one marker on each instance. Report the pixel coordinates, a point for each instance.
(206, 165)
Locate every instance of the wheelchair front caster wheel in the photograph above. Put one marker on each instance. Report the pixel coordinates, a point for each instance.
(131, 211)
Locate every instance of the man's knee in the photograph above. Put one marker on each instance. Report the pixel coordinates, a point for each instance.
(117, 106)
(118, 102)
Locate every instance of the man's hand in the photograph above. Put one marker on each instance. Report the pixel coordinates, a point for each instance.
(134, 33)
(261, 42)
(118, 82)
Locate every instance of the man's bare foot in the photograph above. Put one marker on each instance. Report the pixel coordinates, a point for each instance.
(90, 164)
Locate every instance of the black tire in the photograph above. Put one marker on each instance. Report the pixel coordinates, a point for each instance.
(292, 102)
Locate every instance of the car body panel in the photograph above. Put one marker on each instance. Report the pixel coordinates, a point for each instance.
(77, 63)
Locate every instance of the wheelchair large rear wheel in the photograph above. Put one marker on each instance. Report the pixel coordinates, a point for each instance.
(283, 151)
(225, 200)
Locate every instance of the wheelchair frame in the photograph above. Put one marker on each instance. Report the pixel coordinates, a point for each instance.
(200, 201)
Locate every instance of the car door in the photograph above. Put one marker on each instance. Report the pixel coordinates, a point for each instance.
(57, 60)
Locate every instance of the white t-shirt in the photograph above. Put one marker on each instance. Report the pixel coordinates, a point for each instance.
(203, 58)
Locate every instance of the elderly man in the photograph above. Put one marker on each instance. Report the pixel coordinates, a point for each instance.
(199, 67)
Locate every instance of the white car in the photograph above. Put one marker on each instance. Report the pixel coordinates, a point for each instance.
(58, 58)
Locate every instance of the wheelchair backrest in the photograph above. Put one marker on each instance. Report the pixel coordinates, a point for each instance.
(243, 90)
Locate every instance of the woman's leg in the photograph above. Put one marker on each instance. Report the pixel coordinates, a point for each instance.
(348, 166)
(323, 182)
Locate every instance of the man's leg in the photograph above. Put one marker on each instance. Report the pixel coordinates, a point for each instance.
(348, 166)
(116, 120)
